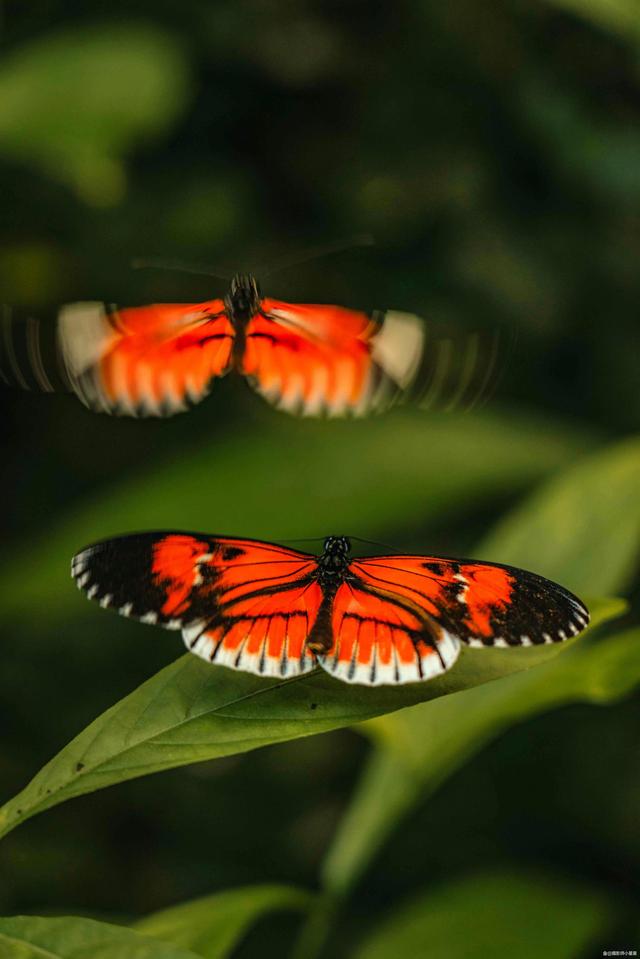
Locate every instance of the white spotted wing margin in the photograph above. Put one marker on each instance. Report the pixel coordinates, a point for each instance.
(263, 608)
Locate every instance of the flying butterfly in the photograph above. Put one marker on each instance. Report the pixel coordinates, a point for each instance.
(274, 611)
(307, 359)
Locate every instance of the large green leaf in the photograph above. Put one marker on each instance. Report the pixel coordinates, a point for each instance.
(74, 102)
(502, 915)
(582, 528)
(32, 937)
(421, 747)
(192, 711)
(367, 479)
(213, 925)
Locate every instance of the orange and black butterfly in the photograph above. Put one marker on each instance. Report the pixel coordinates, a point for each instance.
(307, 359)
(280, 612)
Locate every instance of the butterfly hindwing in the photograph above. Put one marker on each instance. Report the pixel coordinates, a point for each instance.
(262, 632)
(483, 604)
(378, 639)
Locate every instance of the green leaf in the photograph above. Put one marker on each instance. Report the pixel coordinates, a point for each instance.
(213, 925)
(570, 523)
(32, 937)
(397, 471)
(499, 914)
(421, 747)
(73, 103)
(192, 711)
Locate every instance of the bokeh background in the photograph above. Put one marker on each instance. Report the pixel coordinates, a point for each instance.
(493, 150)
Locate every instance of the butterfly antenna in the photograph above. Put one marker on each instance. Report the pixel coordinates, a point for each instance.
(304, 539)
(315, 253)
(357, 539)
(372, 542)
(200, 269)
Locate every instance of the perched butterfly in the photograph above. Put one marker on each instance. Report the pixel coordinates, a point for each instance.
(306, 359)
(274, 611)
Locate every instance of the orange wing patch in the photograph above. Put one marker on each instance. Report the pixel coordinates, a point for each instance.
(174, 568)
(315, 359)
(263, 633)
(150, 360)
(377, 640)
(487, 594)
(410, 578)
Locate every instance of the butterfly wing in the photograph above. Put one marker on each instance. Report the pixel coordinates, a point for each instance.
(140, 361)
(380, 641)
(400, 619)
(314, 360)
(483, 604)
(149, 360)
(241, 603)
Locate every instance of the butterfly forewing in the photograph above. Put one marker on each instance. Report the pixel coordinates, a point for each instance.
(239, 602)
(483, 604)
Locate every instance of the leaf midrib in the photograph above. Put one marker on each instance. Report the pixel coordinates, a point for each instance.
(45, 800)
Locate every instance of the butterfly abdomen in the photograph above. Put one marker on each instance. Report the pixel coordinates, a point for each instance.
(320, 637)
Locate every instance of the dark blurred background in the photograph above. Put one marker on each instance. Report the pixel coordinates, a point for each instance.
(493, 151)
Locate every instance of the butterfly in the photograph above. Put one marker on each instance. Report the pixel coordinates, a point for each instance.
(306, 359)
(274, 611)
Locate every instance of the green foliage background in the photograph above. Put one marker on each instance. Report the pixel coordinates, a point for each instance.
(494, 153)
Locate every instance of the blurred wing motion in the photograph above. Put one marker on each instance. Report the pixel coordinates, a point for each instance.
(309, 360)
(272, 611)
(326, 360)
(314, 360)
(150, 360)
(239, 603)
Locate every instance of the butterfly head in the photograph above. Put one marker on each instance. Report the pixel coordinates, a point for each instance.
(337, 544)
(335, 557)
(244, 296)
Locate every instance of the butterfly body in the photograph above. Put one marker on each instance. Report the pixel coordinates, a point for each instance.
(275, 611)
(243, 299)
